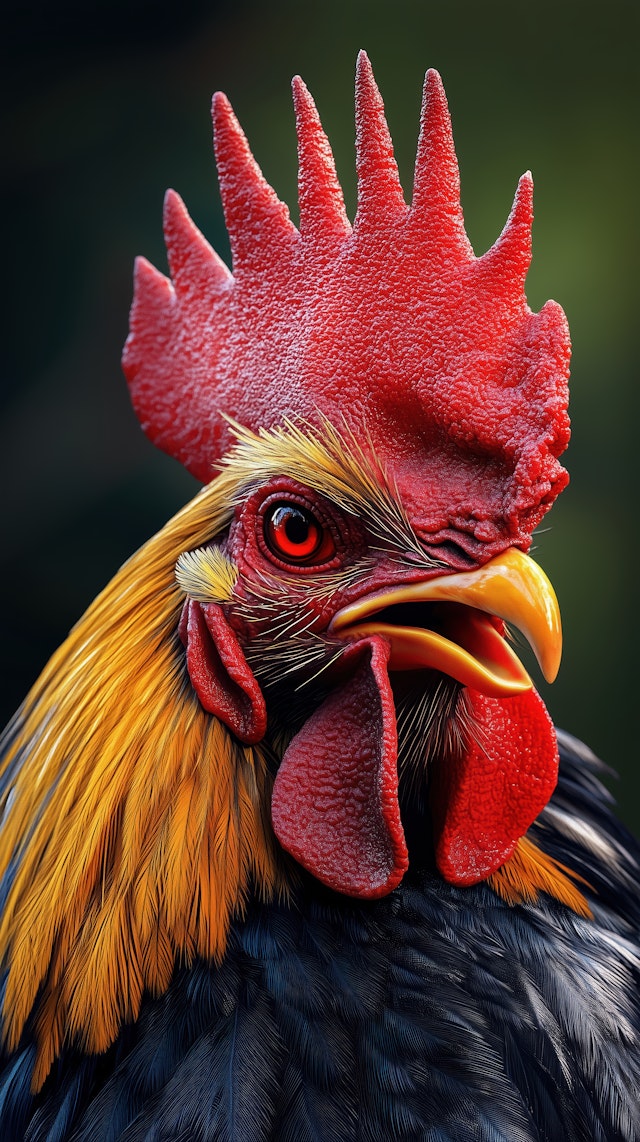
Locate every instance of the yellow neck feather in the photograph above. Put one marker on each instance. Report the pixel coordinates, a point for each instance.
(136, 822)
(531, 871)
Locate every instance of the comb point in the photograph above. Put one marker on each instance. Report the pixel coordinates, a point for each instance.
(435, 207)
(379, 190)
(510, 255)
(254, 215)
(320, 199)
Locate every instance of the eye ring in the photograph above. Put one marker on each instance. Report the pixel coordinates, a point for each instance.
(294, 535)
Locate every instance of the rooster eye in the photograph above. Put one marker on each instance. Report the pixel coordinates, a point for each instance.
(294, 534)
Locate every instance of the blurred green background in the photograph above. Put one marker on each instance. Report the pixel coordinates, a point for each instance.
(107, 104)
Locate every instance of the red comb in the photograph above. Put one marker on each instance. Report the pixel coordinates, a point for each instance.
(392, 327)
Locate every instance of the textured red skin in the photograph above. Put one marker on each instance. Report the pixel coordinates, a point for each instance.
(484, 801)
(335, 797)
(219, 672)
(391, 327)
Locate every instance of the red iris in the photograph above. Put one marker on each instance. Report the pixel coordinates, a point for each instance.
(294, 534)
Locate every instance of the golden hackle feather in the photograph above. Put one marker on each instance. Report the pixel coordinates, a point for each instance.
(136, 823)
(531, 871)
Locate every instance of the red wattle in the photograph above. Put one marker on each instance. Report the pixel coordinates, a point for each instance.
(335, 797)
(484, 800)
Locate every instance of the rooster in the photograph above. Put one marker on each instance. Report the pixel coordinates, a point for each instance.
(285, 852)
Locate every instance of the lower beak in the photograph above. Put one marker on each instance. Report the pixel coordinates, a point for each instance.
(467, 642)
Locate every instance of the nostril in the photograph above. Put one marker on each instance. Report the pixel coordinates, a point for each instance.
(451, 554)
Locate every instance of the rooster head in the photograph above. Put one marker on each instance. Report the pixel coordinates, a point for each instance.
(386, 414)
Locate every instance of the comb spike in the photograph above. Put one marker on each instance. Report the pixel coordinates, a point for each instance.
(193, 264)
(436, 187)
(255, 216)
(379, 190)
(153, 298)
(511, 253)
(319, 193)
(151, 324)
(150, 285)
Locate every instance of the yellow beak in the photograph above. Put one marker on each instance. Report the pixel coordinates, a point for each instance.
(459, 637)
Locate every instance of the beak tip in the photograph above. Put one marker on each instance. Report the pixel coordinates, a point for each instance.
(550, 664)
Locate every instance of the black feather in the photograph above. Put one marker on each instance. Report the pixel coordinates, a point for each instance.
(436, 1013)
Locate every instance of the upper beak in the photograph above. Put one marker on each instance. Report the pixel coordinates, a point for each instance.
(467, 644)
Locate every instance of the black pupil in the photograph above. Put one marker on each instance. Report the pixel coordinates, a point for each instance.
(296, 525)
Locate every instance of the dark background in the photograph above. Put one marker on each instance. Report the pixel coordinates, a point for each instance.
(107, 104)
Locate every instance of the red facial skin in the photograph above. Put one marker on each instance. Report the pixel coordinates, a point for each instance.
(335, 804)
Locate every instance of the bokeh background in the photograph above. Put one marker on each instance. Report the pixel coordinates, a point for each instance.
(107, 104)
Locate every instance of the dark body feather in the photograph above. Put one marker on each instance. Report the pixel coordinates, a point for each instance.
(435, 1014)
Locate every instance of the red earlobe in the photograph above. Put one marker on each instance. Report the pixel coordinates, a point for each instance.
(219, 671)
